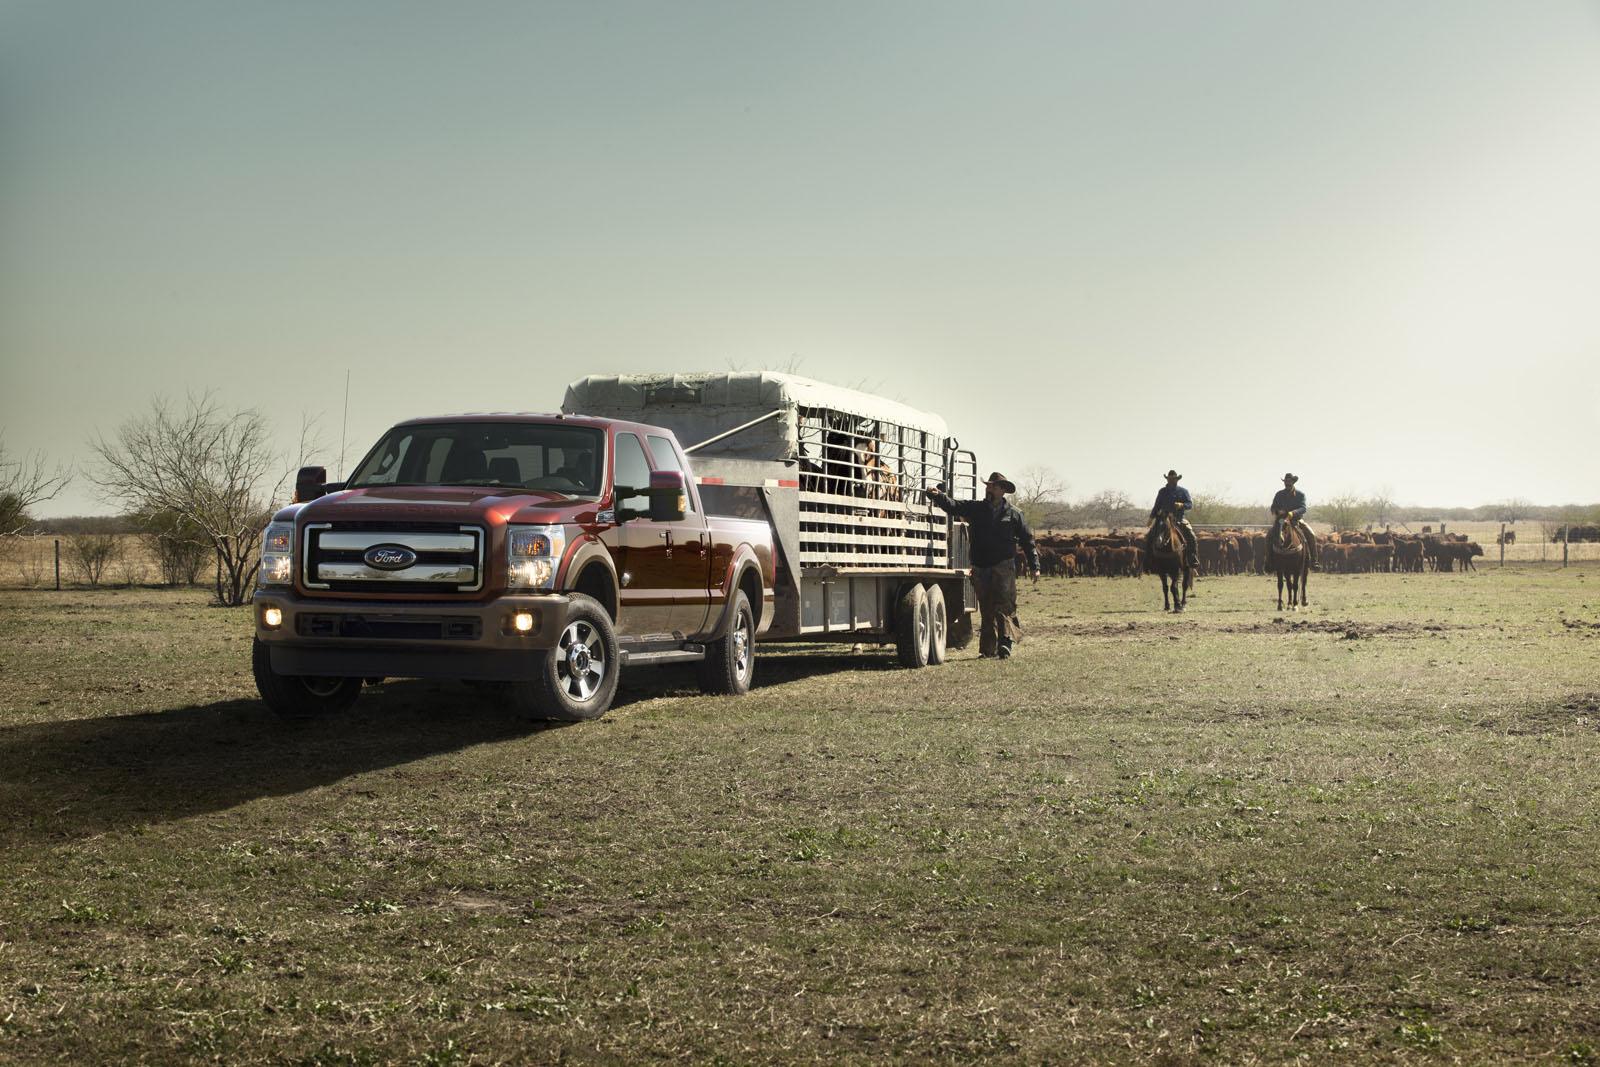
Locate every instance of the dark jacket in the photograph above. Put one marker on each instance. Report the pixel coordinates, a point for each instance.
(1169, 495)
(1291, 500)
(996, 532)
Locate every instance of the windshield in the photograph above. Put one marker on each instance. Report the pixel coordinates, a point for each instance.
(511, 455)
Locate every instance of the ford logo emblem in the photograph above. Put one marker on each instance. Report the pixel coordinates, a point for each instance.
(389, 557)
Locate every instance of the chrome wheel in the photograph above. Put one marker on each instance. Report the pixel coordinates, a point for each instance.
(322, 687)
(741, 644)
(922, 624)
(580, 660)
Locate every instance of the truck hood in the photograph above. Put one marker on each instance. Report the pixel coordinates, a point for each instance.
(488, 505)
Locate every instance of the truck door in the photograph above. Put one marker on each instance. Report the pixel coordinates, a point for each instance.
(688, 562)
(645, 596)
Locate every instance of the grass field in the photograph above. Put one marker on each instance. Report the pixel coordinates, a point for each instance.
(1368, 832)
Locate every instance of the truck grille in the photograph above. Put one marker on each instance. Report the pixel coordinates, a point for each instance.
(389, 627)
(443, 558)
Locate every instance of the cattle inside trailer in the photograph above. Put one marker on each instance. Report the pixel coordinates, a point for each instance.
(841, 476)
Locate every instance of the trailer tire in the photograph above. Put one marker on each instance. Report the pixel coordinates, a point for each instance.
(299, 699)
(959, 634)
(911, 628)
(938, 626)
(577, 675)
(730, 662)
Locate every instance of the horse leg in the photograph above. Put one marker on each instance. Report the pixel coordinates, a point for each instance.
(1305, 584)
(1280, 590)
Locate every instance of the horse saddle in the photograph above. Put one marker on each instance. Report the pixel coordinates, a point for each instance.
(1289, 540)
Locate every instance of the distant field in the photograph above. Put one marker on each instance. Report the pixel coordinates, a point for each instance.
(1370, 832)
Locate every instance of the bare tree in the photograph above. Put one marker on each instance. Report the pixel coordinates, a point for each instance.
(24, 483)
(1215, 509)
(1512, 509)
(215, 468)
(91, 553)
(1040, 496)
(1381, 506)
(1344, 512)
(1108, 508)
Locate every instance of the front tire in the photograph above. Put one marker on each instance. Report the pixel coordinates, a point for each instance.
(938, 626)
(730, 662)
(911, 627)
(577, 676)
(296, 698)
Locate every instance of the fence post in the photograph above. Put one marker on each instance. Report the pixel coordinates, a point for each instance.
(1566, 539)
(1502, 544)
(58, 564)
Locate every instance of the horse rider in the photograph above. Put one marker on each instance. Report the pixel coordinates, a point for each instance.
(1290, 504)
(997, 528)
(1173, 499)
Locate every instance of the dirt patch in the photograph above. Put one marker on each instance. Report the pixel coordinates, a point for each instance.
(1348, 630)
(1578, 712)
(1582, 626)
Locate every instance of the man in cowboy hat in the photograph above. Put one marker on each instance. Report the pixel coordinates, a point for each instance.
(1173, 499)
(997, 529)
(1290, 504)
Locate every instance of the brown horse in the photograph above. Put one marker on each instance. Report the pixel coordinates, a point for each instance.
(1288, 559)
(1166, 560)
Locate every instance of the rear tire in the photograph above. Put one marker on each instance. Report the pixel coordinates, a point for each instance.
(299, 699)
(938, 626)
(730, 663)
(911, 627)
(578, 675)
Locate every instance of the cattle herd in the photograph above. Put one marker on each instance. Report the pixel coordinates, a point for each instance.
(1245, 552)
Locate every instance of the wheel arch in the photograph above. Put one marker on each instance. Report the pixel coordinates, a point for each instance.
(590, 571)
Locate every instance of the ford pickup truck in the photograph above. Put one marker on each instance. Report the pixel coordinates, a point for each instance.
(541, 554)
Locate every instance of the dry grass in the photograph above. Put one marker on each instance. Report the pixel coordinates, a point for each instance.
(1366, 833)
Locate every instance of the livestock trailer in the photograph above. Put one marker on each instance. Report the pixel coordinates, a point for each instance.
(842, 477)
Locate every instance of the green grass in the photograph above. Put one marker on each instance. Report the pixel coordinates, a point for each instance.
(1365, 832)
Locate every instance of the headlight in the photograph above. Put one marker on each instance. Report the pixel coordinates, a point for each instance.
(532, 555)
(277, 555)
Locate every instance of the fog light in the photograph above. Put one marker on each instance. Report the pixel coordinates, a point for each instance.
(271, 618)
(522, 621)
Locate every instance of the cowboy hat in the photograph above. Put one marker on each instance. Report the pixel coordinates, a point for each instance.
(1174, 474)
(996, 478)
(1290, 478)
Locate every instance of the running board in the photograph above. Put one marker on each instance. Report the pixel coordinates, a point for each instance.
(650, 653)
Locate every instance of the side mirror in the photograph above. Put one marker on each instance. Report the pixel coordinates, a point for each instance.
(309, 484)
(669, 497)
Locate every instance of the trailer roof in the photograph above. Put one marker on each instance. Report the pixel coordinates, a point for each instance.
(751, 393)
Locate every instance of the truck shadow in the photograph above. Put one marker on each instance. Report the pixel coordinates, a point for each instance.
(66, 780)
(69, 780)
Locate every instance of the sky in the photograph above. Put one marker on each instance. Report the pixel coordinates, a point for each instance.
(1358, 241)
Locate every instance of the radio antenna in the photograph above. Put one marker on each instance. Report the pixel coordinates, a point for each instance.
(345, 423)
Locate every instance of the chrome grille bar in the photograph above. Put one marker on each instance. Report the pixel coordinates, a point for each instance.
(360, 541)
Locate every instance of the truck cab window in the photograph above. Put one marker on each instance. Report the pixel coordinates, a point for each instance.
(384, 468)
(633, 471)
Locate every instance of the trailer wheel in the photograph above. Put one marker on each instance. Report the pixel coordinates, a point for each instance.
(938, 626)
(911, 627)
(578, 676)
(959, 634)
(730, 661)
(300, 699)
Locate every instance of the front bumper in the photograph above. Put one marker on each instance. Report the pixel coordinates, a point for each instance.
(343, 638)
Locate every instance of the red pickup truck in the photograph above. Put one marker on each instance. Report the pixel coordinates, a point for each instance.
(540, 553)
